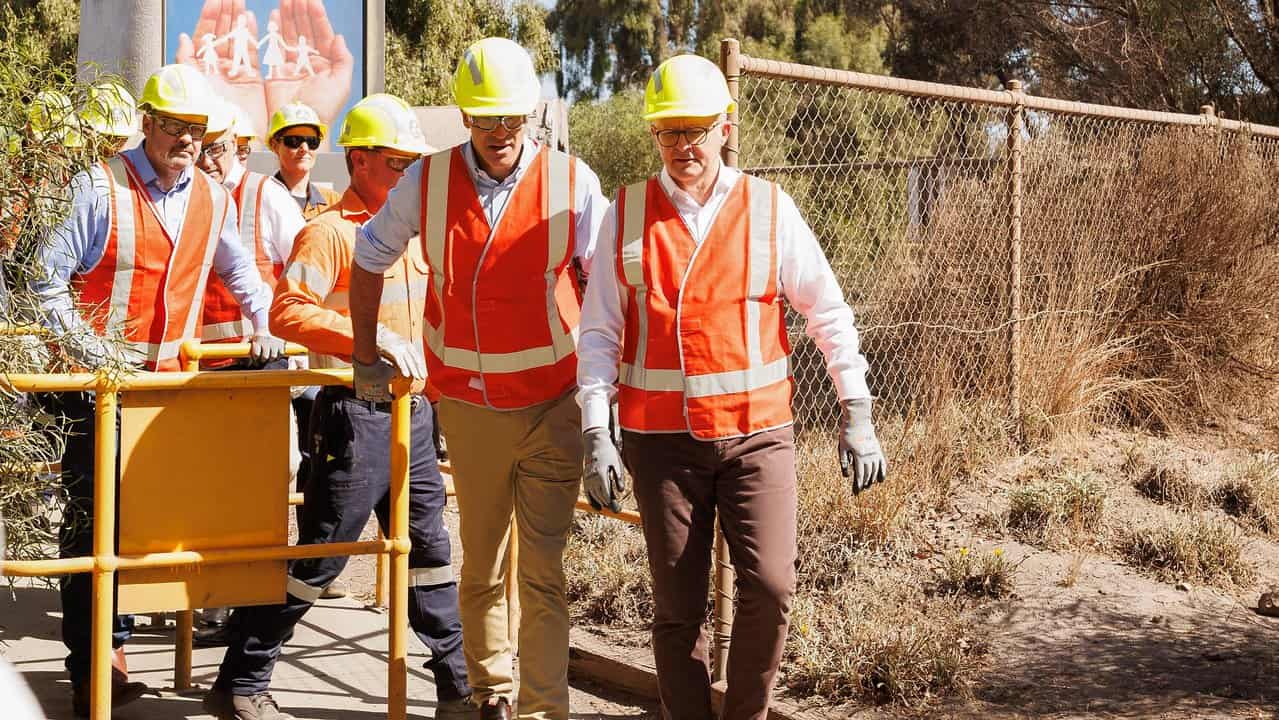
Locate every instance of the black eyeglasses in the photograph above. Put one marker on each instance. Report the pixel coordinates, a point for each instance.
(243, 152)
(293, 142)
(693, 136)
(178, 128)
(489, 123)
(215, 150)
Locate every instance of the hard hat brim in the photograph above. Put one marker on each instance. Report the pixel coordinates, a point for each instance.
(321, 128)
(687, 112)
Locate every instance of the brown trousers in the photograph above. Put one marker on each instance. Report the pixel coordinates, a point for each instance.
(681, 484)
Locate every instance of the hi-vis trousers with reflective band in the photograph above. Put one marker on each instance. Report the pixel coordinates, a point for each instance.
(350, 468)
(527, 462)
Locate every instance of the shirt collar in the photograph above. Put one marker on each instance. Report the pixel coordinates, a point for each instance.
(146, 171)
(527, 153)
(724, 182)
(314, 198)
(353, 208)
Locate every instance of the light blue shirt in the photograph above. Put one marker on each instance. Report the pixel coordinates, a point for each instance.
(382, 240)
(77, 245)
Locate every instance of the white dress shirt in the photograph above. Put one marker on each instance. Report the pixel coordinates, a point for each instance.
(280, 218)
(382, 240)
(804, 276)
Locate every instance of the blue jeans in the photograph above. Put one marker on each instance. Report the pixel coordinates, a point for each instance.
(76, 535)
(350, 478)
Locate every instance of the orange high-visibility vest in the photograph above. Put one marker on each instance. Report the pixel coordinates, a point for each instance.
(144, 285)
(704, 349)
(502, 305)
(223, 320)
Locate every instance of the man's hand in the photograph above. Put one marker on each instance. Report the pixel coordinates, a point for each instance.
(372, 381)
(265, 348)
(602, 472)
(218, 18)
(328, 89)
(859, 452)
(403, 355)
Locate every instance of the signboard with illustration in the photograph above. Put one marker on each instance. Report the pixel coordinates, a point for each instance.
(263, 54)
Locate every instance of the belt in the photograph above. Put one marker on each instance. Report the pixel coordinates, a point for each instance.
(347, 394)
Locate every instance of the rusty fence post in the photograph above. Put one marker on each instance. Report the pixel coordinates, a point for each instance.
(722, 627)
(1016, 148)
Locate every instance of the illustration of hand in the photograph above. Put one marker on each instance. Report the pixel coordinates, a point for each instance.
(326, 84)
(237, 78)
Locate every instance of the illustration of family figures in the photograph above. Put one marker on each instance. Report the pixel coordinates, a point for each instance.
(273, 59)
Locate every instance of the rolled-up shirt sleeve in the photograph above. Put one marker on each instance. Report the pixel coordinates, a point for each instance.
(239, 272)
(599, 345)
(382, 240)
(73, 246)
(810, 286)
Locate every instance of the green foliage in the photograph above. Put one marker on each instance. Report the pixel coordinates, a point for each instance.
(425, 38)
(44, 32)
(845, 44)
(613, 139)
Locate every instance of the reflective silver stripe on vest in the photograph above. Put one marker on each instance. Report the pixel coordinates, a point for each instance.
(762, 197)
(231, 329)
(558, 211)
(220, 198)
(760, 254)
(630, 246)
(126, 244)
(437, 197)
(249, 213)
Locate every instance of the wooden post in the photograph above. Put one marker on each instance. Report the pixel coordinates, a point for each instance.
(722, 626)
(1016, 128)
(182, 650)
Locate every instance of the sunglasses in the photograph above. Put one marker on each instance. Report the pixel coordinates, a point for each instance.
(489, 123)
(693, 136)
(293, 142)
(397, 163)
(178, 128)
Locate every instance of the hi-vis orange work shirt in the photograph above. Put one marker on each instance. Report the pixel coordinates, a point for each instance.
(312, 300)
(142, 283)
(705, 348)
(503, 306)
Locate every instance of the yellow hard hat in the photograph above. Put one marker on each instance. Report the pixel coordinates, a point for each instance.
(244, 124)
(687, 86)
(294, 114)
(383, 120)
(221, 119)
(495, 77)
(53, 120)
(110, 109)
(177, 90)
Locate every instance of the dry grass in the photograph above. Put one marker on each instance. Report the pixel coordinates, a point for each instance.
(607, 573)
(1252, 493)
(976, 574)
(1197, 550)
(1171, 485)
(1062, 509)
(880, 637)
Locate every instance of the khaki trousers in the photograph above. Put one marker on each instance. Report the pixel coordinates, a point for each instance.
(527, 462)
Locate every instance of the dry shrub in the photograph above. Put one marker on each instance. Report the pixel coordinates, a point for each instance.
(1252, 494)
(879, 637)
(606, 568)
(1060, 509)
(1171, 485)
(976, 574)
(1196, 550)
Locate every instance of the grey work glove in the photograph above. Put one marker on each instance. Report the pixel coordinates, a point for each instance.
(403, 355)
(602, 472)
(264, 348)
(372, 382)
(859, 452)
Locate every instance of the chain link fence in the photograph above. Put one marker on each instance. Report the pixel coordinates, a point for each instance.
(978, 235)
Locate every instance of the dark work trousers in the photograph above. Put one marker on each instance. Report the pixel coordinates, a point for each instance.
(350, 477)
(76, 535)
(681, 484)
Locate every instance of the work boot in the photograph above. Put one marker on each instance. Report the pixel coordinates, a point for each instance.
(211, 636)
(222, 705)
(457, 709)
(123, 692)
(336, 589)
(497, 708)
